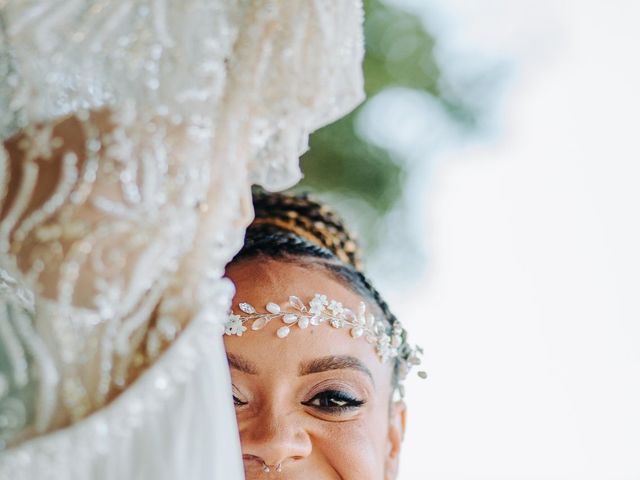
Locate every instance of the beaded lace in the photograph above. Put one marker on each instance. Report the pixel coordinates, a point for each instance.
(131, 131)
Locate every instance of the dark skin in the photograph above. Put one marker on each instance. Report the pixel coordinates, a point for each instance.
(319, 402)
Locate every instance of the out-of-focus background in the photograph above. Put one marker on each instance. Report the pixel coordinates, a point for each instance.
(494, 176)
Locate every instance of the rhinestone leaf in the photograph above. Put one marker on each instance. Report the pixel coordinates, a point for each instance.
(283, 332)
(316, 320)
(273, 308)
(290, 318)
(349, 316)
(336, 323)
(259, 323)
(304, 322)
(378, 328)
(297, 303)
(247, 308)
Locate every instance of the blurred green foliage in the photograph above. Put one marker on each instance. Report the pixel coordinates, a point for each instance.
(363, 180)
(399, 52)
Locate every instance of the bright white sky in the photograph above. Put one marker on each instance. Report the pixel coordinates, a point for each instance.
(530, 309)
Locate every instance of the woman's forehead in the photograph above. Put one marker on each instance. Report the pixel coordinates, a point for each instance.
(260, 281)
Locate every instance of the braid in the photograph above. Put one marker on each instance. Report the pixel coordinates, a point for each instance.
(274, 242)
(308, 219)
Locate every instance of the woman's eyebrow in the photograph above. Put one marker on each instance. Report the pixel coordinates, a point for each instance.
(333, 362)
(242, 364)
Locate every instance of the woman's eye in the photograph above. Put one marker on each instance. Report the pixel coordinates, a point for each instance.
(237, 402)
(334, 400)
(236, 398)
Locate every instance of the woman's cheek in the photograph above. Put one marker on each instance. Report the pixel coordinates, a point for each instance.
(354, 449)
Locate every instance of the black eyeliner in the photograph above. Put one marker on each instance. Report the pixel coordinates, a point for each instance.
(351, 402)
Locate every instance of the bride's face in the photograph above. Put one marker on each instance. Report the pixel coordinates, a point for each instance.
(318, 402)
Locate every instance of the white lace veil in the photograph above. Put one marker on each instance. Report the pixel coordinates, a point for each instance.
(132, 131)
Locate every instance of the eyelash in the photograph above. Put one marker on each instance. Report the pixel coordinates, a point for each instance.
(331, 401)
(336, 401)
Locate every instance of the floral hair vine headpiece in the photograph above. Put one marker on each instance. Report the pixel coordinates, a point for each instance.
(388, 340)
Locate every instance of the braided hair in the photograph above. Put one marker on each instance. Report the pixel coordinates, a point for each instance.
(293, 227)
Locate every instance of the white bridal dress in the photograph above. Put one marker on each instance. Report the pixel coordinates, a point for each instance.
(131, 131)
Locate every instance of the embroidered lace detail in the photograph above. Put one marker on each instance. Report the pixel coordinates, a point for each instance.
(131, 132)
(146, 422)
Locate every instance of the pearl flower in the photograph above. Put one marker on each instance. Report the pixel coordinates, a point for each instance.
(234, 326)
(318, 303)
(336, 308)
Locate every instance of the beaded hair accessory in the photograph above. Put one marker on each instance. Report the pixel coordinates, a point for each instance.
(389, 341)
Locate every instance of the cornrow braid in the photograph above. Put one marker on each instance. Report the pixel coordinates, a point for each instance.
(308, 219)
(295, 227)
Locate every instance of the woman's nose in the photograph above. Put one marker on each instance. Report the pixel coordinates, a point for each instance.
(275, 439)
